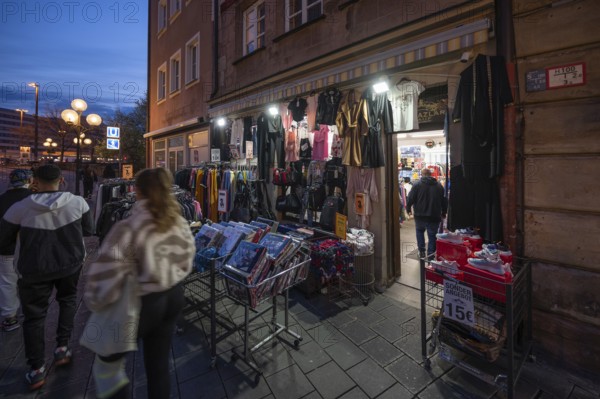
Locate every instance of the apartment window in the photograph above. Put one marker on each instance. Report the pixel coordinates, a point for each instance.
(175, 72)
(254, 27)
(192, 59)
(299, 12)
(161, 87)
(162, 15)
(175, 7)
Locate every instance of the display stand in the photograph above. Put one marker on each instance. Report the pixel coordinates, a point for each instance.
(360, 283)
(491, 343)
(256, 294)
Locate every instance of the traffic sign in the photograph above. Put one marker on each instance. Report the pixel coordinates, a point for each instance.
(112, 144)
(113, 132)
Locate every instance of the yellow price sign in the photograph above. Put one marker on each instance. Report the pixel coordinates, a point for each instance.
(127, 172)
(341, 223)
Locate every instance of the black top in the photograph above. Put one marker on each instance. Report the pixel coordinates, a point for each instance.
(298, 107)
(327, 106)
(427, 198)
(8, 199)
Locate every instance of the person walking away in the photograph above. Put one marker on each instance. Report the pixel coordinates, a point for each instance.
(19, 180)
(159, 251)
(89, 178)
(430, 207)
(48, 228)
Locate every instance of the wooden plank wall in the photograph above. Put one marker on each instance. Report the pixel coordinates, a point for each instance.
(561, 146)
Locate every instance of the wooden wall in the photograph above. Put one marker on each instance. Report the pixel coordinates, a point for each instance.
(561, 148)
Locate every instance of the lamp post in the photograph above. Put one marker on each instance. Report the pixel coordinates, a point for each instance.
(50, 145)
(21, 111)
(62, 134)
(73, 117)
(37, 96)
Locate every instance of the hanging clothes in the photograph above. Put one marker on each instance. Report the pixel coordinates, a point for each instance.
(336, 145)
(347, 126)
(483, 92)
(404, 98)
(291, 146)
(237, 135)
(362, 181)
(327, 107)
(311, 111)
(320, 149)
(248, 134)
(376, 115)
(297, 107)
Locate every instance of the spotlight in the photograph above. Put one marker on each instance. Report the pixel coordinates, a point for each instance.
(381, 87)
(466, 56)
(221, 122)
(273, 110)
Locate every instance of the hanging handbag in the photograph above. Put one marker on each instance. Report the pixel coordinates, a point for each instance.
(316, 197)
(114, 328)
(280, 177)
(305, 149)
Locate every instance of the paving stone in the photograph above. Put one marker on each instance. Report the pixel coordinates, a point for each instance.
(371, 378)
(358, 332)
(313, 395)
(410, 344)
(191, 339)
(411, 375)
(397, 391)
(355, 393)
(539, 374)
(341, 319)
(289, 383)
(325, 335)
(381, 351)
(242, 386)
(330, 380)
(397, 314)
(462, 381)
(441, 390)
(192, 365)
(308, 319)
(273, 357)
(379, 302)
(310, 356)
(389, 330)
(203, 386)
(346, 354)
(367, 315)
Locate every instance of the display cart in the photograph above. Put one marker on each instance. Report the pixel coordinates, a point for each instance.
(478, 321)
(250, 296)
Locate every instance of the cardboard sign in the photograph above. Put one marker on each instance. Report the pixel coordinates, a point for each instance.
(215, 155)
(359, 203)
(222, 201)
(127, 171)
(249, 150)
(341, 223)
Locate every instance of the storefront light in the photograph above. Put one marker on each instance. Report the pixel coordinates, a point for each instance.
(381, 87)
(273, 110)
(221, 122)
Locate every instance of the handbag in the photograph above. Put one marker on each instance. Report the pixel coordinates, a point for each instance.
(316, 197)
(280, 177)
(288, 203)
(114, 328)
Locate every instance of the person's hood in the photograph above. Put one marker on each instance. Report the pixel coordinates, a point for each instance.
(429, 180)
(50, 201)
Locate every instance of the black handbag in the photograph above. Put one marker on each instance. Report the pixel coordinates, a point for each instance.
(332, 205)
(288, 203)
(316, 197)
(305, 149)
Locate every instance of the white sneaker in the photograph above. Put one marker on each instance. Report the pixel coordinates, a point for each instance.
(450, 237)
(496, 267)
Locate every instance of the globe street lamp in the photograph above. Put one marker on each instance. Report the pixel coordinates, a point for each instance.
(37, 96)
(50, 145)
(73, 117)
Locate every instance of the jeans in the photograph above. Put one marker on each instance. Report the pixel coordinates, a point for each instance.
(158, 316)
(9, 298)
(34, 300)
(432, 229)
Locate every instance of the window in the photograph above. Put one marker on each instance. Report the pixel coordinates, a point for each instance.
(161, 87)
(162, 15)
(175, 8)
(192, 59)
(175, 72)
(299, 12)
(254, 27)
(160, 156)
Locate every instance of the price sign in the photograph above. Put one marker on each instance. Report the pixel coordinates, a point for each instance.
(458, 303)
(222, 201)
(127, 172)
(359, 203)
(249, 150)
(341, 223)
(215, 155)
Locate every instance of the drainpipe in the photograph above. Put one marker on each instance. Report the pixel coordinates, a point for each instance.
(215, 49)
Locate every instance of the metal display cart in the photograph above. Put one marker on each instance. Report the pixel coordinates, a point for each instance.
(252, 295)
(360, 282)
(477, 321)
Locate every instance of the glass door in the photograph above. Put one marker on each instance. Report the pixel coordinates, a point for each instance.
(175, 159)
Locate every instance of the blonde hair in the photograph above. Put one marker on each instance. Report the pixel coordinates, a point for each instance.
(155, 185)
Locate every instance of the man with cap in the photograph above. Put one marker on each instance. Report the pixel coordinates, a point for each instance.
(48, 228)
(18, 180)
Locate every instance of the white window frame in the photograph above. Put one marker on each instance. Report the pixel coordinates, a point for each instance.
(162, 15)
(192, 62)
(303, 12)
(253, 25)
(175, 73)
(161, 69)
(174, 8)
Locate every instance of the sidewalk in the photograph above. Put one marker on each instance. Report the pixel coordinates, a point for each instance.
(348, 351)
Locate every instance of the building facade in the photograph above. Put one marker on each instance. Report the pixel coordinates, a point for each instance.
(179, 82)
(269, 53)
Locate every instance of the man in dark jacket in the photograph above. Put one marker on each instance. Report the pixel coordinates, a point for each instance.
(430, 207)
(48, 228)
(19, 180)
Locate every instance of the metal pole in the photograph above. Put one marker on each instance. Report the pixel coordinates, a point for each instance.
(35, 144)
(78, 160)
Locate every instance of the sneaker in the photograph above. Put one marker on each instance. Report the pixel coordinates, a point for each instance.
(62, 356)
(450, 237)
(492, 266)
(489, 252)
(36, 378)
(10, 324)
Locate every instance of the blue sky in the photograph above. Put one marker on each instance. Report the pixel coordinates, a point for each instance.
(95, 50)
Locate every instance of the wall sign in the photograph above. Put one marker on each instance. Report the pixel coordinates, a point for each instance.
(535, 80)
(127, 172)
(222, 201)
(341, 225)
(215, 155)
(565, 76)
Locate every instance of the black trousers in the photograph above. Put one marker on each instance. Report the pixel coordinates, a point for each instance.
(158, 316)
(34, 302)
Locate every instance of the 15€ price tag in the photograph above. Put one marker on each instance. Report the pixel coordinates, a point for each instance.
(458, 302)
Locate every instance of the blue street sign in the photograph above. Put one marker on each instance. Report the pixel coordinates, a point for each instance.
(112, 144)
(113, 132)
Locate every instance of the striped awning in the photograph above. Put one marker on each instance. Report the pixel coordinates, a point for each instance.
(462, 37)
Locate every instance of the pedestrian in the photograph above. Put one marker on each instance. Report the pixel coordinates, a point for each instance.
(430, 207)
(48, 228)
(154, 243)
(89, 178)
(19, 180)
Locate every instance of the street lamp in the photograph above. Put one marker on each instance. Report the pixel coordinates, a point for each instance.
(50, 145)
(37, 96)
(22, 111)
(73, 117)
(62, 133)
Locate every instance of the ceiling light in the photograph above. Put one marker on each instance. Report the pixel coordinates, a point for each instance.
(273, 110)
(381, 87)
(221, 122)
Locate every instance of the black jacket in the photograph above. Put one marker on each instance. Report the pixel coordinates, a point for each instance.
(427, 198)
(8, 199)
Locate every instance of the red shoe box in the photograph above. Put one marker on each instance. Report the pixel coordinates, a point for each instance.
(487, 284)
(452, 251)
(476, 243)
(432, 274)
